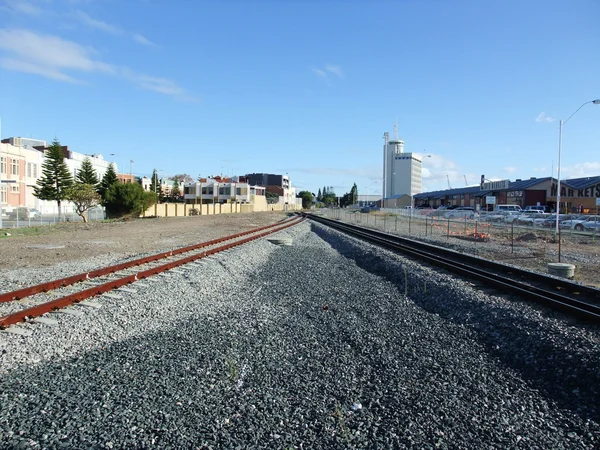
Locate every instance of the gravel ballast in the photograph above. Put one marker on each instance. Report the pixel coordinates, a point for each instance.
(327, 343)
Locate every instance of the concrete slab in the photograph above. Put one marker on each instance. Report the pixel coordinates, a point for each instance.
(69, 312)
(45, 320)
(90, 304)
(126, 289)
(110, 295)
(18, 331)
(140, 284)
(45, 246)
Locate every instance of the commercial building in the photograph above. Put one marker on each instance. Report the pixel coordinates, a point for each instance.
(401, 171)
(577, 194)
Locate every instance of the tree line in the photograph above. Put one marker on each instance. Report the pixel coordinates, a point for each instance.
(86, 190)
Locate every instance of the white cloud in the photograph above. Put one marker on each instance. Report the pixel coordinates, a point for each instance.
(56, 58)
(336, 70)
(540, 169)
(542, 117)
(95, 23)
(509, 169)
(319, 72)
(586, 169)
(142, 39)
(109, 28)
(329, 71)
(21, 6)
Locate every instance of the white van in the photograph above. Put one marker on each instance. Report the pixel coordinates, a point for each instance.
(516, 208)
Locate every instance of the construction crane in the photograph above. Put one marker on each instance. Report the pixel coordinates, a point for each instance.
(466, 184)
(448, 178)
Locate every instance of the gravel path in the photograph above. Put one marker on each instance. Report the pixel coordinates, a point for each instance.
(328, 343)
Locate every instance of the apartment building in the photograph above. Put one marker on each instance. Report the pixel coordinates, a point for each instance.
(21, 161)
(221, 190)
(275, 184)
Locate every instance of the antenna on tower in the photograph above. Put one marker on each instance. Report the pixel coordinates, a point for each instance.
(448, 178)
(396, 129)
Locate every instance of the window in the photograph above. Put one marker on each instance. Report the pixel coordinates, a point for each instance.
(29, 169)
(14, 188)
(3, 194)
(14, 167)
(2, 164)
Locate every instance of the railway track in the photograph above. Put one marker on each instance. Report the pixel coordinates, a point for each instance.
(571, 298)
(77, 288)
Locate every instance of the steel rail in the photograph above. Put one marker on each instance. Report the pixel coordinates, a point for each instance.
(431, 254)
(76, 297)
(67, 281)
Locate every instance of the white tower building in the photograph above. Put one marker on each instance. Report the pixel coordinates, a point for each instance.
(401, 171)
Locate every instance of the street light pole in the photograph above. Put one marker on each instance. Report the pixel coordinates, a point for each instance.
(560, 126)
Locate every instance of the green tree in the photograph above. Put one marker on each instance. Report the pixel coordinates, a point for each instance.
(319, 195)
(175, 192)
(87, 174)
(154, 183)
(84, 197)
(108, 180)
(127, 199)
(354, 194)
(56, 177)
(307, 199)
(272, 197)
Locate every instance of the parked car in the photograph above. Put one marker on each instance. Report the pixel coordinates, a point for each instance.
(508, 208)
(580, 223)
(591, 225)
(462, 212)
(529, 217)
(24, 213)
(511, 216)
(550, 221)
(541, 209)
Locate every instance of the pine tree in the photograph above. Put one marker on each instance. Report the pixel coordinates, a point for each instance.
(354, 194)
(56, 177)
(319, 195)
(87, 174)
(175, 193)
(154, 184)
(108, 180)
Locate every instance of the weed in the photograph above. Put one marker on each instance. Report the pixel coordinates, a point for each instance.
(233, 370)
(339, 415)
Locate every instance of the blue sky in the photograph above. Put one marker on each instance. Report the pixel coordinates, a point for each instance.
(308, 87)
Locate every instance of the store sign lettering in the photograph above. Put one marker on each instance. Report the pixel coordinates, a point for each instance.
(565, 191)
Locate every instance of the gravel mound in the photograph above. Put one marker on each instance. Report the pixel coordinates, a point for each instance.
(327, 343)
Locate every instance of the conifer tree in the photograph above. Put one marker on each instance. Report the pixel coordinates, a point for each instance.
(56, 177)
(108, 180)
(87, 174)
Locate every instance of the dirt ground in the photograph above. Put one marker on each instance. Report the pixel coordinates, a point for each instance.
(47, 245)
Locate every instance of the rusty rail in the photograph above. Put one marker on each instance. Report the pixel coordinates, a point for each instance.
(76, 297)
(62, 282)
